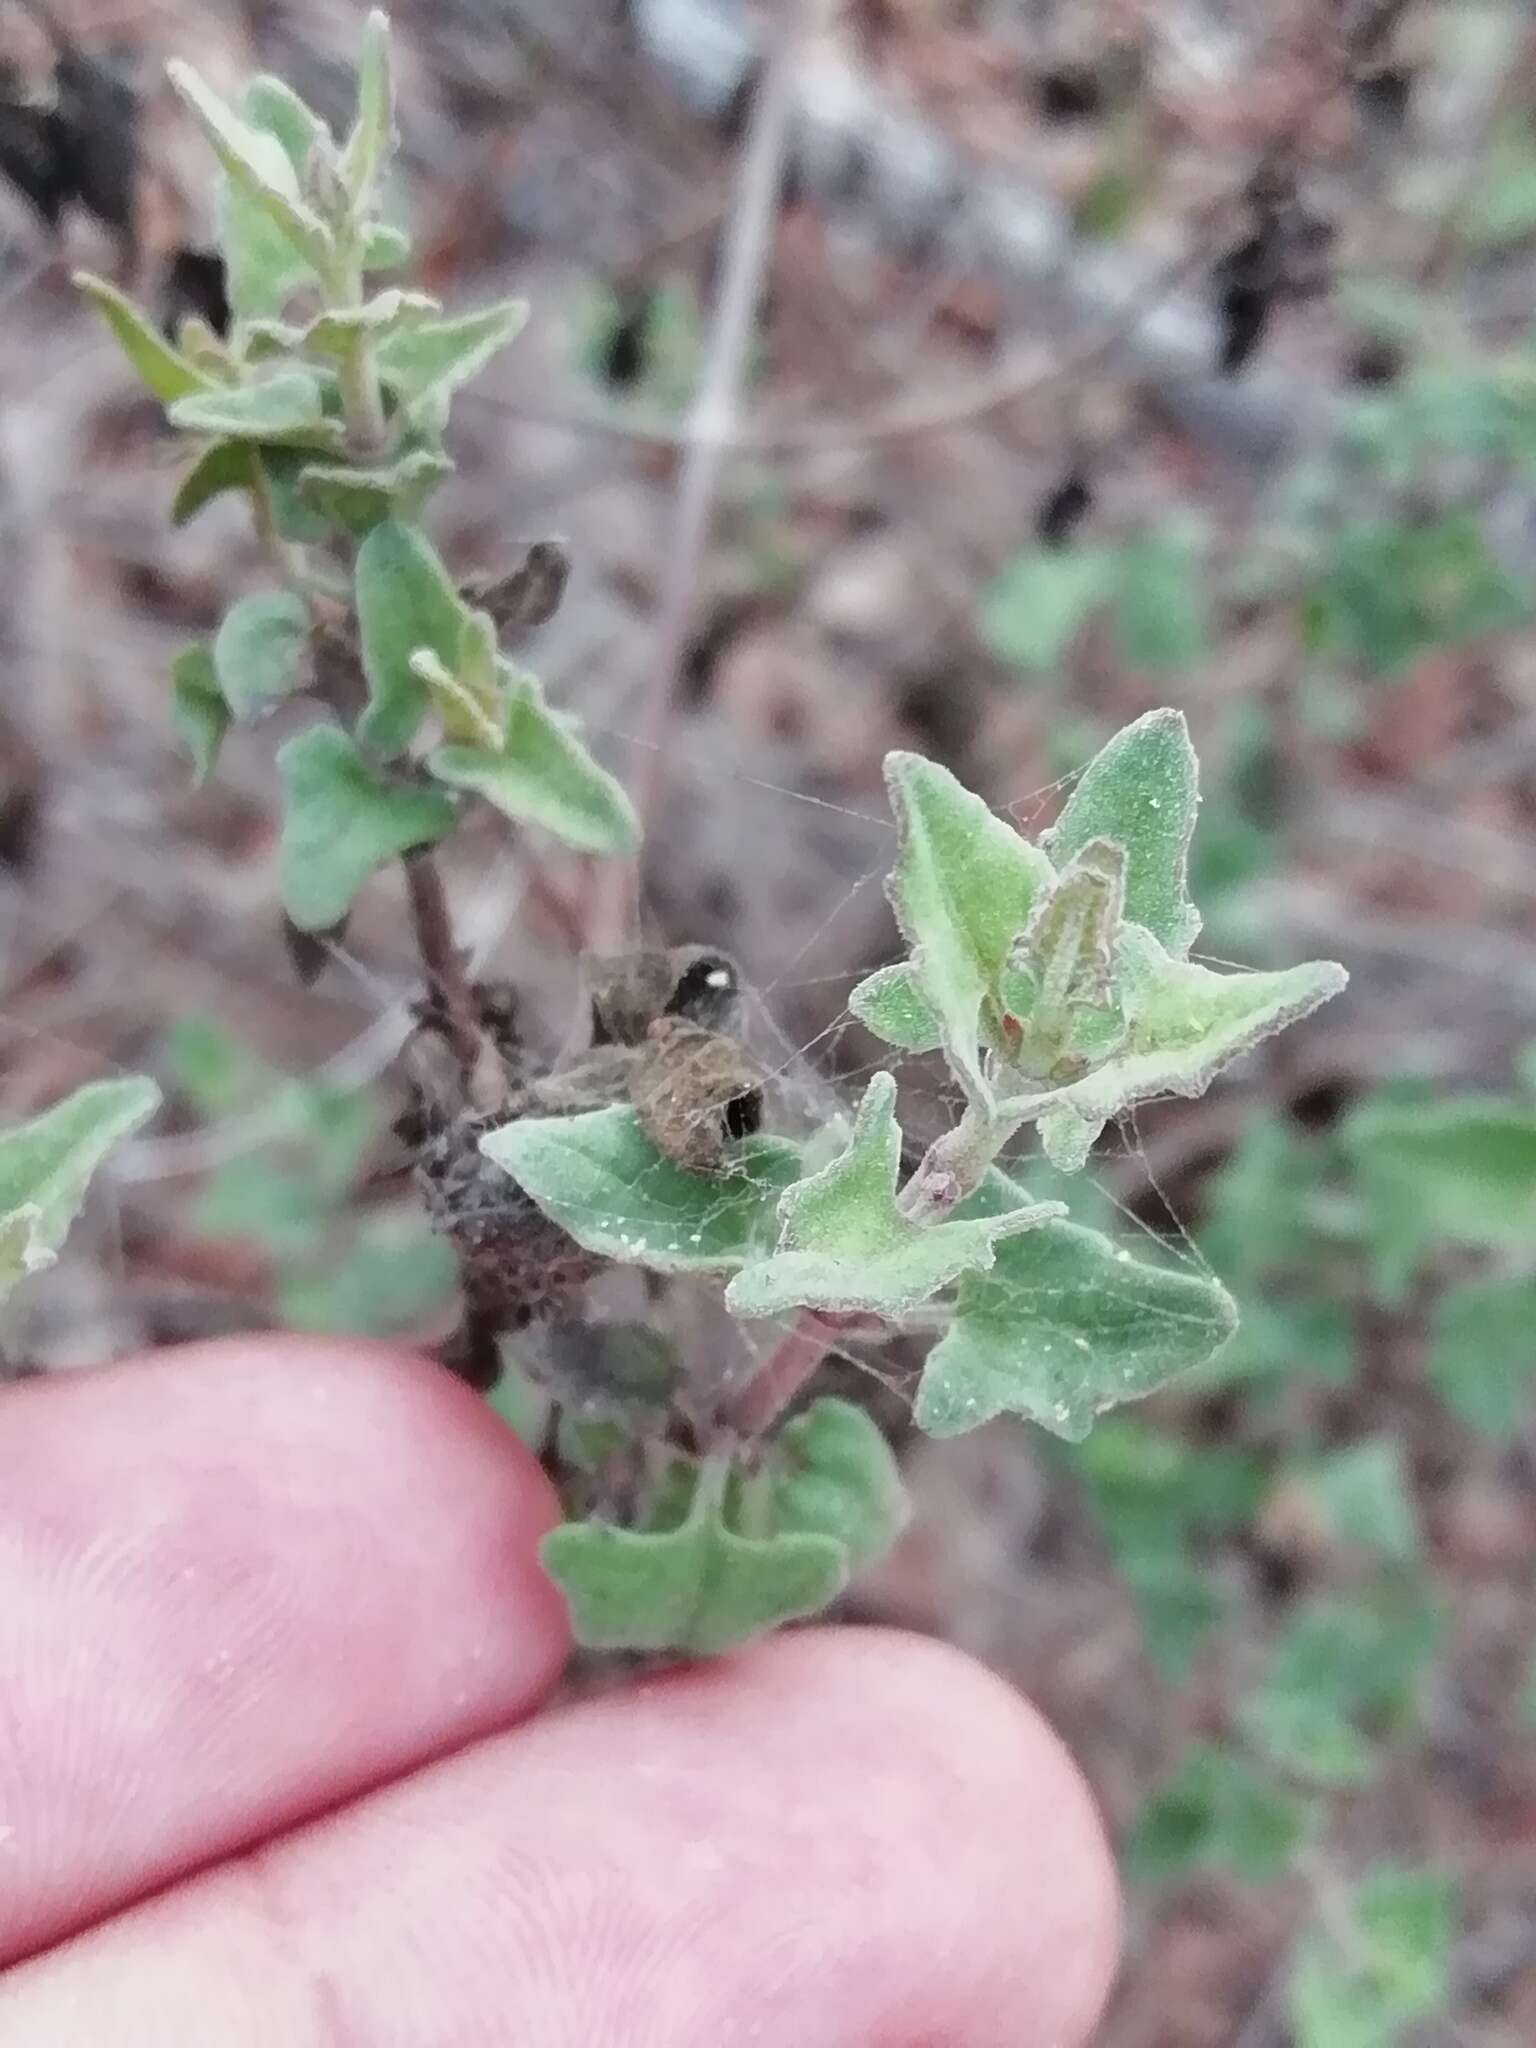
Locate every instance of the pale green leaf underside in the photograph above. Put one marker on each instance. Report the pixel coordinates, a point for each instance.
(260, 652)
(405, 600)
(602, 1179)
(341, 822)
(263, 266)
(285, 408)
(46, 1164)
(962, 889)
(257, 163)
(544, 776)
(699, 1588)
(1065, 1325)
(1141, 790)
(372, 133)
(837, 1476)
(436, 355)
(844, 1243)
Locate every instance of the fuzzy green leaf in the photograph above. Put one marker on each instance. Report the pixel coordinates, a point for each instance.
(46, 1166)
(1184, 1023)
(699, 1588)
(198, 709)
(372, 134)
(543, 775)
(962, 889)
(1040, 602)
(600, 1177)
(405, 600)
(1483, 1353)
(260, 651)
(1141, 790)
(891, 1003)
(256, 163)
(837, 1476)
(164, 369)
(1463, 1170)
(222, 466)
(360, 499)
(1381, 1964)
(263, 267)
(1216, 1810)
(341, 822)
(285, 408)
(439, 355)
(1065, 1325)
(337, 331)
(385, 246)
(844, 1244)
(1159, 612)
(1363, 1497)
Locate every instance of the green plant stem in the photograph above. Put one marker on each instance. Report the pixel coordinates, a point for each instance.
(956, 1163)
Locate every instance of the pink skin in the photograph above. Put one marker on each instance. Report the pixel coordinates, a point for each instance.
(271, 1629)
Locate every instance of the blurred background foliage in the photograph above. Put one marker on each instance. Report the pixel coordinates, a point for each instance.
(1111, 353)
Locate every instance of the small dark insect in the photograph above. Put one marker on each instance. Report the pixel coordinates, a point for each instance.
(661, 1041)
(1070, 92)
(309, 953)
(1062, 509)
(525, 597)
(194, 286)
(1283, 256)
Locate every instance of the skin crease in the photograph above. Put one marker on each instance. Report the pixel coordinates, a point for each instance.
(251, 1583)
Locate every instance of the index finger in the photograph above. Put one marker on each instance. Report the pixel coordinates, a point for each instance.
(239, 1584)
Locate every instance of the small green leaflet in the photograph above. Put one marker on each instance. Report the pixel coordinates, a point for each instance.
(261, 651)
(46, 1166)
(699, 1587)
(373, 131)
(1141, 790)
(543, 775)
(1040, 601)
(1382, 1963)
(602, 1179)
(1065, 1325)
(360, 499)
(164, 369)
(341, 821)
(844, 1243)
(892, 1004)
(256, 164)
(835, 1475)
(1482, 1355)
(222, 466)
(198, 709)
(1216, 1810)
(405, 600)
(962, 888)
(1159, 610)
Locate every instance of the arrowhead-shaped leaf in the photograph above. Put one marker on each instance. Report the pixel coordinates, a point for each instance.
(1184, 1023)
(543, 775)
(198, 709)
(962, 889)
(892, 1004)
(372, 135)
(260, 652)
(837, 1476)
(164, 369)
(46, 1166)
(341, 821)
(600, 1177)
(1065, 1325)
(699, 1587)
(285, 408)
(405, 600)
(438, 355)
(1142, 791)
(845, 1244)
